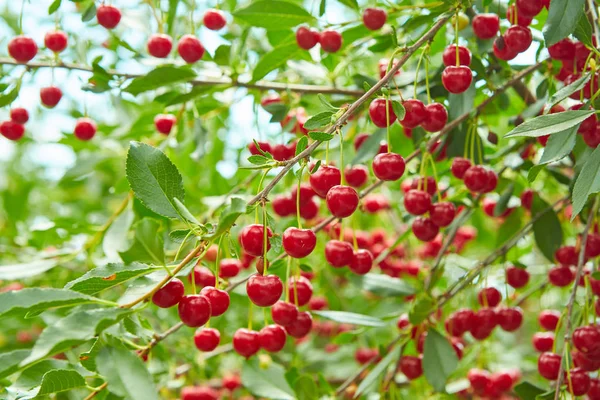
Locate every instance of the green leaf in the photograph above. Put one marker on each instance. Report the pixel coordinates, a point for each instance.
(439, 359)
(583, 31)
(10, 96)
(549, 124)
(266, 382)
(301, 145)
(273, 14)
(421, 308)
(306, 388)
(154, 179)
(547, 230)
(559, 146)
(502, 202)
(350, 318)
(53, 7)
(89, 13)
(276, 58)
(109, 276)
(321, 136)
(587, 182)
(126, 374)
(566, 91)
(9, 362)
(258, 160)
(379, 369)
(353, 4)
(318, 121)
(88, 358)
(159, 77)
(148, 245)
(229, 215)
(171, 16)
(326, 103)
(383, 285)
(399, 110)
(26, 270)
(184, 212)
(59, 380)
(322, 7)
(528, 391)
(563, 17)
(511, 225)
(370, 147)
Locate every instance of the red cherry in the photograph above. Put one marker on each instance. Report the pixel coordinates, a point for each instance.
(587, 339)
(500, 382)
(379, 115)
(246, 342)
(331, 41)
(449, 56)
(85, 129)
(417, 202)
(356, 175)
(491, 182)
(301, 326)
(515, 19)
(475, 178)
(272, 338)
(203, 277)
(592, 245)
(383, 65)
(459, 322)
(548, 319)
(460, 166)
(489, 297)
(485, 26)
(561, 276)
(411, 366)
(342, 201)
(582, 361)
(457, 79)
(479, 380)
(299, 243)
(578, 381)
(164, 123)
(567, 255)
(170, 294)
(374, 18)
(229, 267)
(231, 382)
(543, 341)
(562, 50)
(207, 339)
(264, 291)
(442, 214)
(194, 310)
(11, 130)
(190, 48)
(309, 210)
(199, 393)
(317, 303)
(306, 194)
(594, 390)
(518, 38)
(56, 41)
(424, 229)
(19, 115)
(510, 319)
(50, 96)
(436, 117)
(365, 355)
(529, 8)
(388, 166)
(589, 124)
(108, 16)
(527, 198)
(517, 277)
(301, 290)
(219, 300)
(22, 48)
(284, 313)
(282, 152)
(415, 113)
(426, 183)
(362, 261)
(326, 177)
(252, 239)
(264, 146)
(307, 38)
(338, 253)
(502, 50)
(159, 45)
(592, 138)
(214, 19)
(483, 323)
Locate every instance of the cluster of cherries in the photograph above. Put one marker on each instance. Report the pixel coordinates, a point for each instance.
(477, 178)
(230, 383)
(14, 129)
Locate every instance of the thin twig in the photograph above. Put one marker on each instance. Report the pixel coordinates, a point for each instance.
(530, 292)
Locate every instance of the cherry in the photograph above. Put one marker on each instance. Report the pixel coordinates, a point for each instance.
(214, 19)
(338, 253)
(567, 255)
(50, 96)
(483, 323)
(19, 115)
(219, 300)
(562, 50)
(12, 130)
(306, 194)
(417, 202)
(374, 18)
(190, 48)
(485, 26)
(388, 166)
(594, 390)
(415, 113)
(529, 8)
(589, 124)
(229, 267)
(548, 319)
(510, 319)
(457, 79)
(326, 177)
(56, 41)
(246, 342)
(578, 381)
(475, 178)
(170, 294)
(264, 291)
(424, 229)
(373, 203)
(309, 210)
(108, 16)
(272, 338)
(491, 182)
(517, 277)
(460, 166)
(159, 45)
(379, 115)
(479, 380)
(518, 38)
(164, 123)
(342, 201)
(592, 245)
(301, 326)
(436, 117)
(587, 339)
(300, 291)
(365, 355)
(449, 56)
(521, 19)
(207, 339)
(199, 393)
(362, 261)
(561, 276)
(501, 382)
(284, 313)
(298, 117)
(489, 297)
(307, 38)
(331, 41)
(442, 214)
(231, 382)
(582, 361)
(282, 152)
(194, 310)
(356, 175)
(85, 129)
(203, 277)
(264, 146)
(299, 243)
(527, 198)
(543, 341)
(22, 48)
(502, 50)
(411, 366)
(252, 239)
(383, 65)
(459, 322)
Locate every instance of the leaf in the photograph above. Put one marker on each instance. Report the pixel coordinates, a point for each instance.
(399, 110)
(369, 148)
(9, 97)
(421, 308)
(159, 77)
(26, 270)
(306, 388)
(549, 124)
(59, 380)
(547, 230)
(350, 318)
(88, 358)
(563, 17)
(126, 374)
(185, 213)
(274, 59)
(319, 120)
(559, 146)
(566, 91)
(301, 145)
(53, 7)
(9, 362)
(148, 245)
(353, 4)
(258, 160)
(383, 285)
(528, 391)
(273, 14)
(229, 215)
(583, 31)
(439, 359)
(89, 13)
(321, 136)
(502, 202)
(587, 182)
(109, 276)
(266, 382)
(322, 7)
(379, 369)
(326, 103)
(171, 16)
(154, 179)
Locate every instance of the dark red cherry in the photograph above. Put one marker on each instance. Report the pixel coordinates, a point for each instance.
(229, 267)
(301, 326)
(190, 48)
(301, 290)
(567, 255)
(589, 124)
(563, 50)
(459, 322)
(379, 115)
(159, 45)
(582, 361)
(207, 339)
(284, 313)
(12, 130)
(460, 166)
(457, 79)
(548, 319)
(442, 214)
(489, 297)
(194, 310)
(219, 300)
(491, 182)
(518, 38)
(415, 113)
(424, 229)
(246, 342)
(502, 51)
(483, 323)
(374, 18)
(411, 366)
(587, 339)
(331, 41)
(306, 193)
(299, 243)
(108, 16)
(309, 210)
(252, 239)
(417, 202)
(510, 319)
(449, 56)
(342, 201)
(85, 129)
(264, 291)
(170, 294)
(272, 338)
(164, 123)
(543, 341)
(592, 245)
(436, 117)
(283, 152)
(594, 390)
(22, 48)
(527, 198)
(364, 355)
(326, 177)
(338, 253)
(485, 26)
(561, 276)
(203, 277)
(214, 19)
(578, 381)
(19, 115)
(529, 8)
(479, 380)
(264, 146)
(513, 18)
(500, 382)
(362, 261)
(517, 277)
(356, 175)
(56, 41)
(307, 38)
(476, 178)
(50, 96)
(388, 166)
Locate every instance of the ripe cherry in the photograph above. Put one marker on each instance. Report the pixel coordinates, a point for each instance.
(449, 56)
(50, 96)
(459, 322)
(457, 79)
(479, 380)
(254, 150)
(11, 130)
(527, 198)
(587, 339)
(483, 323)
(207, 339)
(515, 19)
(283, 206)
(300, 291)
(194, 310)
(307, 38)
(548, 319)
(562, 50)
(411, 366)
(486, 26)
(306, 194)
(517, 277)
(22, 48)
(19, 115)
(246, 342)
(417, 202)
(219, 300)
(229, 267)
(561, 276)
(301, 326)
(510, 319)
(299, 243)
(415, 113)
(374, 18)
(108, 16)
(338, 253)
(362, 261)
(380, 116)
(252, 239)
(476, 178)
(56, 41)
(594, 390)
(326, 177)
(543, 341)
(199, 393)
(489, 297)
(460, 166)
(190, 48)
(317, 303)
(203, 277)
(356, 175)
(578, 381)
(388, 166)
(567, 255)
(231, 382)
(170, 294)
(214, 19)
(284, 313)
(364, 355)
(342, 201)
(582, 361)
(159, 45)
(85, 129)
(518, 38)
(529, 8)
(264, 291)
(436, 117)
(309, 210)
(272, 338)
(502, 50)
(442, 214)
(424, 229)
(282, 152)
(164, 123)
(331, 41)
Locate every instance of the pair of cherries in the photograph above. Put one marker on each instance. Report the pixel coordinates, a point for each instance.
(432, 117)
(14, 129)
(307, 38)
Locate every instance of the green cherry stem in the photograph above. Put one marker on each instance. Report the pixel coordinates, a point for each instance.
(298, 195)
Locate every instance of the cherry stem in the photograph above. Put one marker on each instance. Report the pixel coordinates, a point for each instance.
(387, 118)
(265, 238)
(156, 17)
(21, 16)
(218, 262)
(260, 183)
(298, 196)
(343, 177)
(287, 279)
(418, 69)
(456, 37)
(427, 75)
(250, 317)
